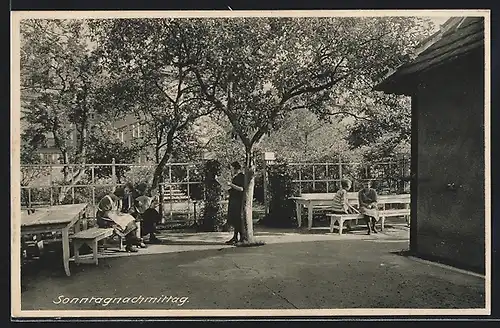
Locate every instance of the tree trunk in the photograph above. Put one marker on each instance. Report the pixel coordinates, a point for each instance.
(166, 157)
(161, 180)
(66, 188)
(247, 205)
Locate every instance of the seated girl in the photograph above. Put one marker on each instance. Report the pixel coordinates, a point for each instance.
(145, 208)
(340, 201)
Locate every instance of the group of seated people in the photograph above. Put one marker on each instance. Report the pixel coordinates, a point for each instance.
(367, 198)
(123, 219)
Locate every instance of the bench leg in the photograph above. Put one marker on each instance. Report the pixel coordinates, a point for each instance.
(382, 223)
(309, 217)
(332, 223)
(298, 208)
(407, 217)
(95, 251)
(76, 248)
(341, 226)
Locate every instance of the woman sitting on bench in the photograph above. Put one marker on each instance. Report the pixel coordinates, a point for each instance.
(124, 224)
(145, 211)
(368, 206)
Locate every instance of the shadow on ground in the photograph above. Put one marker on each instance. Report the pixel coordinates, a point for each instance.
(327, 274)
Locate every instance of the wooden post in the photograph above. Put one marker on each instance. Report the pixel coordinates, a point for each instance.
(72, 188)
(113, 173)
(162, 196)
(300, 179)
(269, 157)
(314, 177)
(29, 198)
(327, 176)
(51, 190)
(264, 186)
(341, 174)
(388, 179)
(171, 191)
(187, 188)
(93, 189)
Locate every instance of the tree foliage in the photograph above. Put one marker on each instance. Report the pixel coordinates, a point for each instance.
(61, 80)
(104, 147)
(386, 130)
(258, 70)
(253, 72)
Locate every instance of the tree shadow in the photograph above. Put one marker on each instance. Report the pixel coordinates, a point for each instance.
(188, 243)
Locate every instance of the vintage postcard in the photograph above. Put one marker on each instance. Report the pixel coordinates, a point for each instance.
(250, 163)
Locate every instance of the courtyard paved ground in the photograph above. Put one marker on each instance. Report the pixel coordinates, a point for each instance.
(294, 270)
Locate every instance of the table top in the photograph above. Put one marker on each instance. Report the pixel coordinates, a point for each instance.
(59, 214)
(350, 196)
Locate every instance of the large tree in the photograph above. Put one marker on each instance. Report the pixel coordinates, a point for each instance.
(61, 79)
(258, 70)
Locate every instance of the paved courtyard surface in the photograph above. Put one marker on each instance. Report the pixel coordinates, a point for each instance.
(294, 270)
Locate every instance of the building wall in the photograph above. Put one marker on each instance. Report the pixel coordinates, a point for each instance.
(129, 129)
(451, 223)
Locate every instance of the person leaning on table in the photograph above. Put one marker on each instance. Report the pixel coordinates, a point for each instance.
(123, 224)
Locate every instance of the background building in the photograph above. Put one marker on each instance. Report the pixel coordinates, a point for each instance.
(446, 85)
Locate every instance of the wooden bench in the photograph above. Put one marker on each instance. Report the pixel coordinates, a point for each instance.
(341, 218)
(91, 238)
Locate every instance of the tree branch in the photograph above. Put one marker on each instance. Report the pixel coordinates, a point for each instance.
(218, 104)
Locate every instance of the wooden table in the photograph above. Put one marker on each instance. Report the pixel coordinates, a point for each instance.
(325, 200)
(55, 218)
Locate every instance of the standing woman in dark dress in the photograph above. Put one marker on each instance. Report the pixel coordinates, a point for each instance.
(235, 201)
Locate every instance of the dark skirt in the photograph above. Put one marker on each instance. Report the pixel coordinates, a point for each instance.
(234, 213)
(149, 219)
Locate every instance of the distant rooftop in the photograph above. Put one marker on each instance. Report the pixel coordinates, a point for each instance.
(457, 37)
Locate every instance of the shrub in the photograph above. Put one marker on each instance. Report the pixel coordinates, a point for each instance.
(281, 207)
(213, 215)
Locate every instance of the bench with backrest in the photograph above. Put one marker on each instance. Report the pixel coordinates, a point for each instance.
(337, 220)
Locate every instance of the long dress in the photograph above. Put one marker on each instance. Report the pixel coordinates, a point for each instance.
(367, 196)
(235, 202)
(147, 215)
